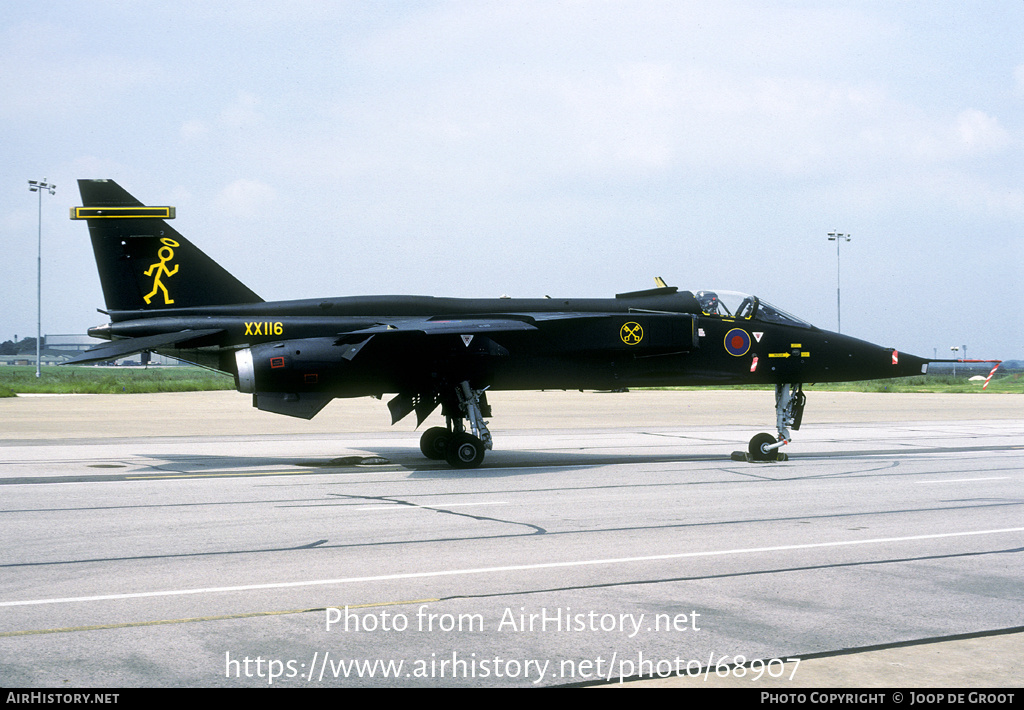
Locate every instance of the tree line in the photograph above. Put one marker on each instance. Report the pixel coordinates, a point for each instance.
(9, 347)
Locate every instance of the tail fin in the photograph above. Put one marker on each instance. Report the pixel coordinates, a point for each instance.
(144, 263)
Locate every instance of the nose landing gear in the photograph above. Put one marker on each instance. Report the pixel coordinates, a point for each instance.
(789, 411)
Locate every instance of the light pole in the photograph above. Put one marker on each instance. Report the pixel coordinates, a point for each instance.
(837, 238)
(40, 187)
(955, 350)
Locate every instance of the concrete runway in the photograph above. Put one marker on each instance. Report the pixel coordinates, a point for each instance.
(190, 540)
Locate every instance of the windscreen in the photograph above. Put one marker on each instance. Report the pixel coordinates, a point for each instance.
(742, 306)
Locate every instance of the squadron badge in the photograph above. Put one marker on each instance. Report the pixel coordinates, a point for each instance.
(631, 333)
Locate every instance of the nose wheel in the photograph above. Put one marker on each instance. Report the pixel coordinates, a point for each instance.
(764, 447)
(789, 411)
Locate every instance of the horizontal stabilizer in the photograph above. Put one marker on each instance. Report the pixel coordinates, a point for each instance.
(129, 346)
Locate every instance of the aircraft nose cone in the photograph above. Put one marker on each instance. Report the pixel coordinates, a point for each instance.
(906, 365)
(842, 358)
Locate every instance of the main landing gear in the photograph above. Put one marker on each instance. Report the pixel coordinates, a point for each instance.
(789, 411)
(459, 447)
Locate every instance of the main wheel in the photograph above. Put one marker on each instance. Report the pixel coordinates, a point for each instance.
(757, 449)
(434, 443)
(464, 451)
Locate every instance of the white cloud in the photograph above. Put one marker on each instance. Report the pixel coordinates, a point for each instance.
(194, 130)
(44, 76)
(242, 112)
(249, 199)
(980, 133)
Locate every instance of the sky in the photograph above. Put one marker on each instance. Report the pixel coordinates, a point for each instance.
(567, 148)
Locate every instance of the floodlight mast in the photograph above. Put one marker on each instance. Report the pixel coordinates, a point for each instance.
(40, 187)
(837, 238)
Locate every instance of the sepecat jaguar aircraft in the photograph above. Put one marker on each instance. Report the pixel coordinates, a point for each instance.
(164, 295)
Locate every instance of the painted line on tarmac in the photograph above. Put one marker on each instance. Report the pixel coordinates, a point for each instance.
(325, 470)
(374, 470)
(194, 619)
(506, 568)
(212, 475)
(968, 480)
(422, 506)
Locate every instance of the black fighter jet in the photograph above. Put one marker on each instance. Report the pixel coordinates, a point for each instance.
(164, 295)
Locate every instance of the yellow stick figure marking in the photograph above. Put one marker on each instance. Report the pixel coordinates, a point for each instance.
(160, 269)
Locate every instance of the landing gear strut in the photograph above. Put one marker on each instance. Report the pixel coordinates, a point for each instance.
(789, 411)
(459, 447)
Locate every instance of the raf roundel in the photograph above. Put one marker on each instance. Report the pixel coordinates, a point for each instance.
(737, 342)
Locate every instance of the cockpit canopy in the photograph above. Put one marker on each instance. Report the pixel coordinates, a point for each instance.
(742, 306)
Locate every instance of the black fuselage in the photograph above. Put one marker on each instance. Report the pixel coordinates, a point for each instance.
(634, 340)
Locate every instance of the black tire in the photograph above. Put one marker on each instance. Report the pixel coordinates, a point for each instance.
(757, 451)
(434, 443)
(464, 451)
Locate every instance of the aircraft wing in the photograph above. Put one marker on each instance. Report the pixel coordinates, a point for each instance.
(129, 346)
(496, 323)
(446, 326)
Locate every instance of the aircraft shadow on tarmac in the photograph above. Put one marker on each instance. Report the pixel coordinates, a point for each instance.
(404, 458)
(502, 463)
